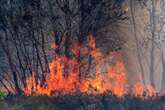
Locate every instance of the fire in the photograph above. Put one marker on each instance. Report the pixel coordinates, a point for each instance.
(64, 77)
(140, 91)
(150, 91)
(54, 46)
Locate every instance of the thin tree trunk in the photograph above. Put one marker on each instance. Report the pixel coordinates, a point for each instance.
(152, 58)
(11, 65)
(4, 85)
(163, 72)
(19, 58)
(136, 41)
(68, 28)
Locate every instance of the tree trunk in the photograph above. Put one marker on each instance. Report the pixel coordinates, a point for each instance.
(152, 58)
(163, 72)
(136, 42)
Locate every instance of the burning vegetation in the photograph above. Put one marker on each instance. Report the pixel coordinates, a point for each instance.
(65, 77)
(74, 55)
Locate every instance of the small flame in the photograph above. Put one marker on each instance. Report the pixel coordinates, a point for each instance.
(150, 91)
(138, 89)
(54, 46)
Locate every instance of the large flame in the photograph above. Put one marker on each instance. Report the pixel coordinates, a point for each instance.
(64, 77)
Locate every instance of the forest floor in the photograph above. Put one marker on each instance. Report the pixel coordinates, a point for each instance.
(82, 102)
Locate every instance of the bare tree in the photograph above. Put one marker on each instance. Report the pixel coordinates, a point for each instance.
(25, 28)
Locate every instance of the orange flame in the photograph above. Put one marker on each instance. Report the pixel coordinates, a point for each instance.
(64, 76)
(138, 89)
(54, 46)
(150, 91)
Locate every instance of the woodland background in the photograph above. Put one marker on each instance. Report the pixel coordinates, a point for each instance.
(29, 27)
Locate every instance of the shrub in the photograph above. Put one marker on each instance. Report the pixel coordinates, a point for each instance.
(2, 95)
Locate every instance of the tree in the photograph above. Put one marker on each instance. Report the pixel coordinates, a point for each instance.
(29, 27)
